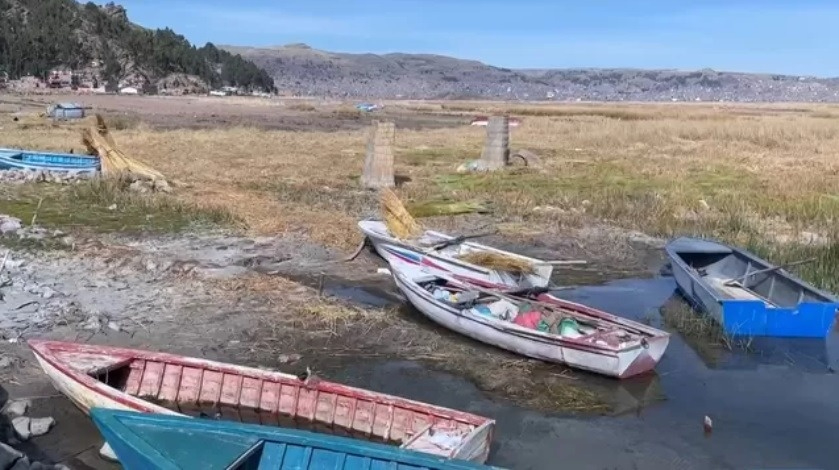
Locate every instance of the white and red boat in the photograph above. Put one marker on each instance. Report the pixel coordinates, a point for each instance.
(557, 331)
(152, 382)
(436, 251)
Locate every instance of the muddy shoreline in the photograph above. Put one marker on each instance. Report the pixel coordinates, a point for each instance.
(252, 300)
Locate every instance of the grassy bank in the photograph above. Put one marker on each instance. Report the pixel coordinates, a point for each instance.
(105, 206)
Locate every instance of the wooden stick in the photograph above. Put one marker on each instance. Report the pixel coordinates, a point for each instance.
(461, 238)
(741, 279)
(569, 262)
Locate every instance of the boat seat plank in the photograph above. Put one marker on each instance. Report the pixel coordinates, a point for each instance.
(190, 386)
(733, 292)
(132, 386)
(273, 454)
(172, 374)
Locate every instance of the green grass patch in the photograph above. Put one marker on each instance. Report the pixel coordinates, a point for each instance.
(106, 206)
(425, 156)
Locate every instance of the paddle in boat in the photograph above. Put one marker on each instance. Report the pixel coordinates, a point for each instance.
(441, 252)
(151, 441)
(155, 382)
(747, 295)
(540, 326)
(15, 159)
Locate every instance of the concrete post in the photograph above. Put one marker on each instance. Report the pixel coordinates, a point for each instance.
(496, 153)
(378, 164)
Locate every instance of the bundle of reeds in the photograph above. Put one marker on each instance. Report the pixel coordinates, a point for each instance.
(114, 162)
(498, 262)
(399, 221)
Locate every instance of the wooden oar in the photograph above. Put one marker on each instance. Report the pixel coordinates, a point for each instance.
(739, 280)
(569, 262)
(460, 239)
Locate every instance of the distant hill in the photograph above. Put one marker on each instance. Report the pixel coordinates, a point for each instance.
(37, 36)
(298, 68)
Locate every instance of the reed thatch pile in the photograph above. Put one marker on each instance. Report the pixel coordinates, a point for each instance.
(499, 262)
(114, 162)
(399, 221)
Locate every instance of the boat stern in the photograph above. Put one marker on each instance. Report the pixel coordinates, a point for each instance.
(755, 318)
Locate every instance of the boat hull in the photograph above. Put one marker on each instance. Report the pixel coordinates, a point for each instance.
(418, 259)
(145, 441)
(613, 362)
(778, 305)
(13, 159)
(248, 394)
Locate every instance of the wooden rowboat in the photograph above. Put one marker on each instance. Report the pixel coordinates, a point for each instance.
(426, 253)
(15, 159)
(746, 295)
(155, 382)
(595, 340)
(145, 441)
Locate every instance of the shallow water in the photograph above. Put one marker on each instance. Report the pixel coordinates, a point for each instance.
(773, 406)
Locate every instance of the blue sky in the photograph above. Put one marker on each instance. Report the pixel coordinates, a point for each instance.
(795, 37)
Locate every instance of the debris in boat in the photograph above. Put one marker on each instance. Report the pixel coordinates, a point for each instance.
(498, 261)
(399, 221)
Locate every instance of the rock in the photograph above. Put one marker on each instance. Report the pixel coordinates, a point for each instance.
(14, 263)
(21, 464)
(40, 426)
(9, 455)
(288, 358)
(48, 293)
(139, 187)
(7, 361)
(151, 266)
(16, 408)
(92, 323)
(9, 224)
(162, 186)
(112, 325)
(21, 426)
(107, 453)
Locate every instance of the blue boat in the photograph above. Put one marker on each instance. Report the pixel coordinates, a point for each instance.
(147, 441)
(747, 295)
(16, 159)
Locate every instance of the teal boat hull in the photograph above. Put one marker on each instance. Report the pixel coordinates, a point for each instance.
(144, 441)
(15, 159)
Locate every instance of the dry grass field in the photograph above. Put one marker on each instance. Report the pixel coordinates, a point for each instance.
(764, 176)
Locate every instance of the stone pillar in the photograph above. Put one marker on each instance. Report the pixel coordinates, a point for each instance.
(496, 153)
(378, 165)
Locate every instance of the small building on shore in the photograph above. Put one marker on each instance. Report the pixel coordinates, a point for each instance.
(65, 111)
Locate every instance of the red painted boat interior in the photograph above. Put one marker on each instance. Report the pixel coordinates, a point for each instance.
(202, 388)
